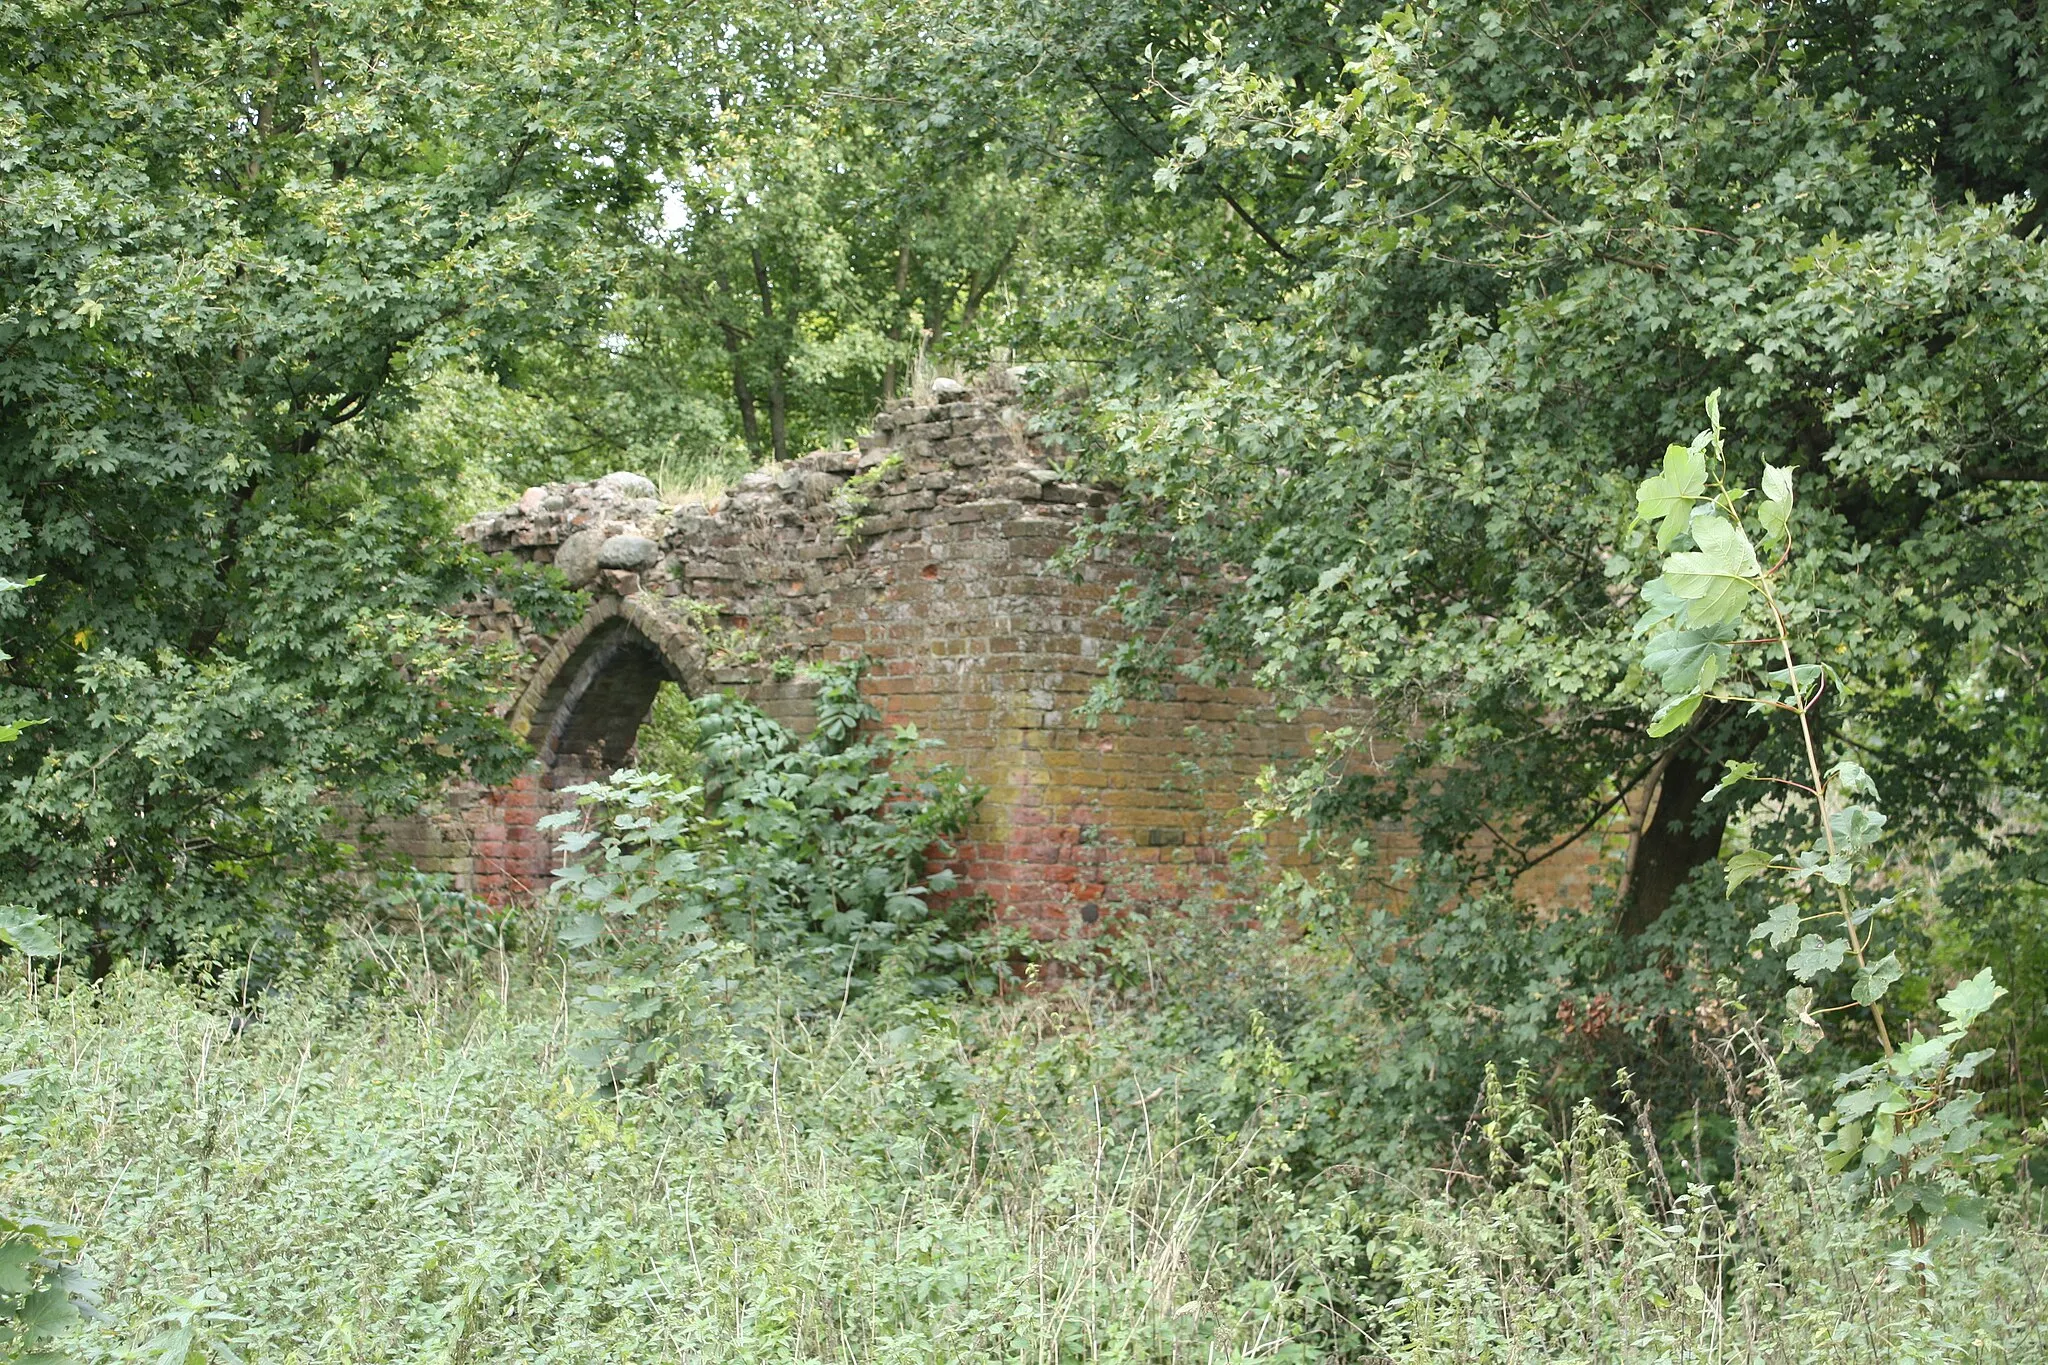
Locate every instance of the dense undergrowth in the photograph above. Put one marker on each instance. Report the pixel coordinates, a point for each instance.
(412, 1171)
(416, 1175)
(740, 1092)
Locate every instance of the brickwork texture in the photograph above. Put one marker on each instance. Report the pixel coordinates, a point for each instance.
(931, 553)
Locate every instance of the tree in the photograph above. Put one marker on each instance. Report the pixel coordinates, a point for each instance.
(1411, 299)
(235, 235)
(824, 233)
(1523, 245)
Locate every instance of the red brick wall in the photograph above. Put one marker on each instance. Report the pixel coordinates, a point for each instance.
(938, 569)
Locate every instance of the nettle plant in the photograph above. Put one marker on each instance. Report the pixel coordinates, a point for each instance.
(813, 852)
(637, 900)
(1905, 1127)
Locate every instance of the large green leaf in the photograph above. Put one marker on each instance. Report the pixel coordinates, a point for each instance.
(1738, 771)
(1716, 579)
(1856, 828)
(1668, 497)
(1688, 660)
(28, 933)
(1874, 980)
(1673, 715)
(1780, 927)
(1776, 510)
(1970, 999)
(1816, 955)
(1745, 866)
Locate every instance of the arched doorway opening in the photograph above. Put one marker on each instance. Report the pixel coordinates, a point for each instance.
(587, 702)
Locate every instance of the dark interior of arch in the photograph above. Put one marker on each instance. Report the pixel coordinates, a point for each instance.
(601, 699)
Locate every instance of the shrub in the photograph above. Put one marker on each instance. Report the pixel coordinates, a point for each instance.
(810, 852)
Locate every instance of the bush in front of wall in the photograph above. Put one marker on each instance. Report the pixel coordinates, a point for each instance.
(812, 852)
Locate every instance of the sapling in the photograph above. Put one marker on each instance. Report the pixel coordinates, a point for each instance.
(1904, 1127)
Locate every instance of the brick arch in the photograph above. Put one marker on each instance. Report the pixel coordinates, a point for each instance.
(582, 705)
(593, 688)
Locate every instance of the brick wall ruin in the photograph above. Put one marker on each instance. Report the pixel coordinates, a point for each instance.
(930, 553)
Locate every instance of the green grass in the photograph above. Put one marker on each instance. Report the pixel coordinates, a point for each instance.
(412, 1172)
(414, 1178)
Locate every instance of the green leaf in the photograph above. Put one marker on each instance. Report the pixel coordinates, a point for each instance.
(27, 933)
(1777, 485)
(1922, 1055)
(18, 1257)
(580, 931)
(1771, 516)
(1673, 714)
(1668, 497)
(1688, 660)
(1874, 980)
(1816, 956)
(1717, 578)
(1854, 1104)
(1804, 675)
(1970, 999)
(1856, 828)
(1660, 605)
(13, 730)
(1722, 548)
(1776, 510)
(1849, 776)
(45, 1313)
(1780, 926)
(1958, 1113)
(1737, 772)
(1833, 871)
(1746, 866)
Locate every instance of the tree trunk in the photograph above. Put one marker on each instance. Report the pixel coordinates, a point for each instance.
(896, 322)
(750, 422)
(778, 406)
(1679, 836)
(778, 419)
(742, 392)
(980, 290)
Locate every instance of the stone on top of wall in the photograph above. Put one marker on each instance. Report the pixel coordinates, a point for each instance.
(962, 455)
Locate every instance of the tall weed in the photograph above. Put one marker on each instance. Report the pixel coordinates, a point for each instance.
(417, 1177)
(1560, 1245)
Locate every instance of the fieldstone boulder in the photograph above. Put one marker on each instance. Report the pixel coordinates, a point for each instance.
(577, 556)
(627, 552)
(628, 485)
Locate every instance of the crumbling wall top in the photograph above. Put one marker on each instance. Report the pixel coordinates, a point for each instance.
(963, 446)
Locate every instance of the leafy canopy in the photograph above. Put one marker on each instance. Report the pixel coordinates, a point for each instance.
(1500, 252)
(232, 237)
